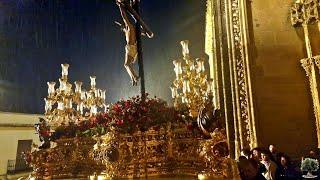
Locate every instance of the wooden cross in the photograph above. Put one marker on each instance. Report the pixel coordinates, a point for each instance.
(135, 12)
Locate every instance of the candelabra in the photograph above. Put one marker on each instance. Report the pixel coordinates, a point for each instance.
(191, 87)
(64, 105)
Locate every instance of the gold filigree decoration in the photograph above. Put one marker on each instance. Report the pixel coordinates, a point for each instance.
(243, 93)
(71, 157)
(167, 151)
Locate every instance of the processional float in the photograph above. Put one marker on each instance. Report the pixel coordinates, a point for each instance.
(82, 136)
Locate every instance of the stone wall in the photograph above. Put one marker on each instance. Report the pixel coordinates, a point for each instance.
(283, 104)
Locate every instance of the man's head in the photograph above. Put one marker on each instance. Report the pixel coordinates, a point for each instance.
(283, 161)
(256, 153)
(245, 152)
(272, 148)
(265, 156)
(248, 169)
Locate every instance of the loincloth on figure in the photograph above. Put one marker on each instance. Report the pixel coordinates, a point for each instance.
(132, 50)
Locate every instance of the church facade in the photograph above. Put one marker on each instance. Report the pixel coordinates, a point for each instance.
(255, 57)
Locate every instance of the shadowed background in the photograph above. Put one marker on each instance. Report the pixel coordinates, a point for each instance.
(36, 36)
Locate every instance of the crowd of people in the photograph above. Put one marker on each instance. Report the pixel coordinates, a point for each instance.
(269, 164)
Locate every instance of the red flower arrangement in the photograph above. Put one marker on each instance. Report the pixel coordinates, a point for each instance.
(128, 116)
(125, 116)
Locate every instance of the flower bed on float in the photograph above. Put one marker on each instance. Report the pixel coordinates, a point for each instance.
(125, 116)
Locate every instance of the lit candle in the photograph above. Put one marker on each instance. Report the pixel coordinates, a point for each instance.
(83, 95)
(103, 94)
(97, 93)
(93, 82)
(89, 95)
(64, 72)
(174, 91)
(177, 67)
(197, 90)
(186, 85)
(210, 86)
(68, 103)
(78, 85)
(200, 65)
(68, 88)
(60, 105)
(51, 89)
(106, 108)
(185, 48)
(192, 66)
(93, 109)
(63, 84)
(184, 99)
(48, 105)
(80, 108)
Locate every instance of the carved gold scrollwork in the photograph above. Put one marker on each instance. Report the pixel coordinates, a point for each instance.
(170, 151)
(242, 77)
(243, 126)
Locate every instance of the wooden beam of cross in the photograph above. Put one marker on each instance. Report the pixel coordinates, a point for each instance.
(135, 12)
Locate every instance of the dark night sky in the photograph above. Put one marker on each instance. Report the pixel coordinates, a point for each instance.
(36, 36)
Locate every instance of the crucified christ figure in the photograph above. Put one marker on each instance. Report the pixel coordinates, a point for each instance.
(131, 47)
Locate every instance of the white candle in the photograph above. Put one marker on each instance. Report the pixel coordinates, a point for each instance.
(177, 67)
(60, 105)
(83, 95)
(103, 94)
(185, 48)
(93, 81)
(63, 84)
(78, 85)
(174, 91)
(64, 71)
(93, 109)
(51, 89)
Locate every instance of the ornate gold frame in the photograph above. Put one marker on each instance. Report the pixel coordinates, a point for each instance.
(227, 24)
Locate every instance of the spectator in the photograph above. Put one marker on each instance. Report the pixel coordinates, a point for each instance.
(249, 170)
(286, 170)
(245, 152)
(275, 155)
(256, 155)
(270, 166)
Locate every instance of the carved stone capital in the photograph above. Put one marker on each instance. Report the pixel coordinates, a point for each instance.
(317, 61)
(304, 11)
(307, 63)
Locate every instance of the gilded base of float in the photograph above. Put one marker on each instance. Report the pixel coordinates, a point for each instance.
(166, 153)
